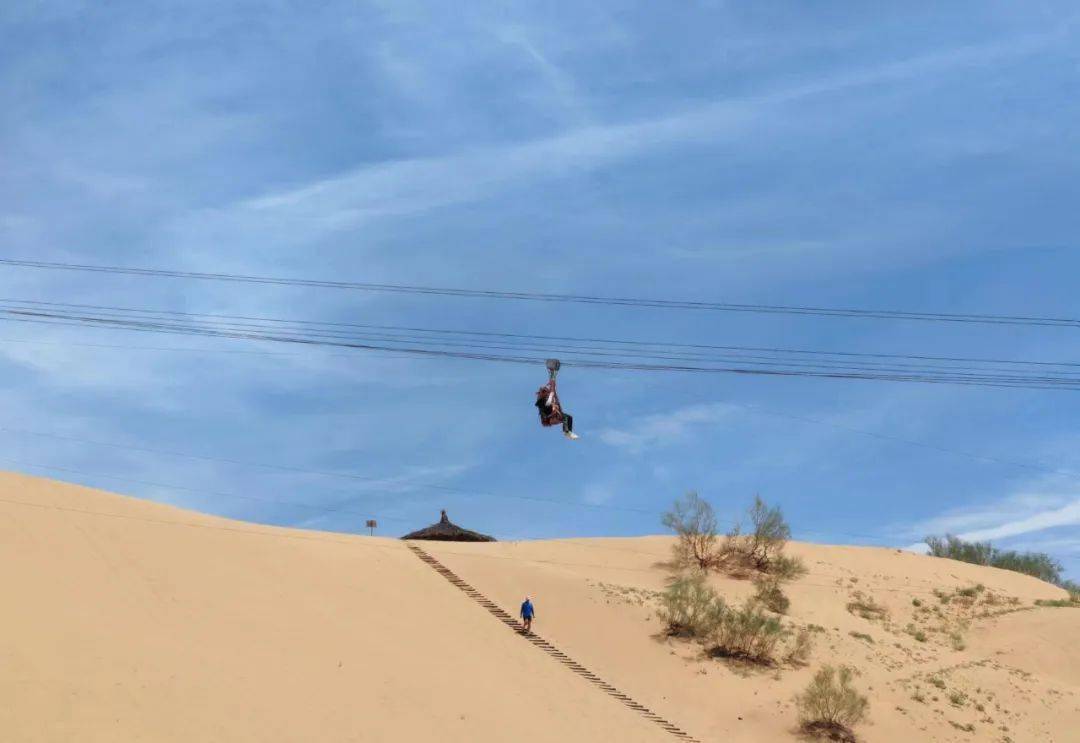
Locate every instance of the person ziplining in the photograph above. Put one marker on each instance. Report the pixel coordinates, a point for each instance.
(547, 402)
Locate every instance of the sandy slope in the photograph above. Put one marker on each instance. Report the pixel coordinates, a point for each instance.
(594, 598)
(158, 624)
(118, 629)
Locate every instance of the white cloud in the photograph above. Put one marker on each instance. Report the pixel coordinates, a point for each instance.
(1019, 514)
(665, 428)
(402, 187)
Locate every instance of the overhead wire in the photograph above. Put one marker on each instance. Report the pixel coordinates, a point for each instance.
(979, 318)
(644, 357)
(651, 349)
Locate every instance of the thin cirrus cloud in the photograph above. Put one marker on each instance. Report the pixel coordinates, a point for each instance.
(401, 187)
(1024, 513)
(665, 428)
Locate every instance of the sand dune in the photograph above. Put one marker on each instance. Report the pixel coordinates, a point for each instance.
(127, 620)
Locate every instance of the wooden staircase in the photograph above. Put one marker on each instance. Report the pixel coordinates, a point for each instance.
(546, 646)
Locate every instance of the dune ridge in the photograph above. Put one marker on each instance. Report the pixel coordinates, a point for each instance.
(131, 620)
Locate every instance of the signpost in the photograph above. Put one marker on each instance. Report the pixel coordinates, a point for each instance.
(371, 524)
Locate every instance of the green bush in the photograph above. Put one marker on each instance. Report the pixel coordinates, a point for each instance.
(1036, 564)
(747, 633)
(770, 595)
(769, 535)
(787, 567)
(915, 632)
(978, 553)
(830, 706)
(694, 522)
(865, 607)
(690, 607)
(802, 645)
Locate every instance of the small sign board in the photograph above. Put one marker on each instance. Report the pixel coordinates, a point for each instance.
(371, 524)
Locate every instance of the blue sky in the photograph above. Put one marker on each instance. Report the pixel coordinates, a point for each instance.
(913, 156)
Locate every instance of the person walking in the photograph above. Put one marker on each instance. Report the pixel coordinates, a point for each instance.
(527, 614)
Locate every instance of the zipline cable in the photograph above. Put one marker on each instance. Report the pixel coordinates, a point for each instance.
(977, 318)
(590, 357)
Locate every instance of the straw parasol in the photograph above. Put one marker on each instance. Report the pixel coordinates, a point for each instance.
(445, 531)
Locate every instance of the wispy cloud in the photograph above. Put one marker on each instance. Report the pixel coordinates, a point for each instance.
(409, 186)
(1025, 512)
(665, 428)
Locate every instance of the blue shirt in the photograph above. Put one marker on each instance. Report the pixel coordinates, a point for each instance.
(527, 610)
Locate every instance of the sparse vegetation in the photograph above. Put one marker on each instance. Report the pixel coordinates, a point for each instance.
(1036, 564)
(758, 551)
(865, 607)
(1071, 601)
(916, 633)
(746, 633)
(690, 607)
(694, 522)
(770, 595)
(830, 706)
(787, 567)
(802, 645)
(769, 535)
(862, 636)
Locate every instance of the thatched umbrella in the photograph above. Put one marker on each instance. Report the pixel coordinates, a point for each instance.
(444, 531)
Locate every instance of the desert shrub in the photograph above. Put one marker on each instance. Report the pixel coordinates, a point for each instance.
(957, 641)
(916, 602)
(747, 633)
(915, 632)
(690, 607)
(770, 532)
(787, 567)
(830, 706)
(1036, 564)
(937, 681)
(953, 547)
(971, 591)
(865, 607)
(694, 522)
(770, 595)
(1057, 602)
(802, 644)
(862, 636)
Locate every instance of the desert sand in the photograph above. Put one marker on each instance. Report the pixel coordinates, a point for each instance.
(126, 620)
